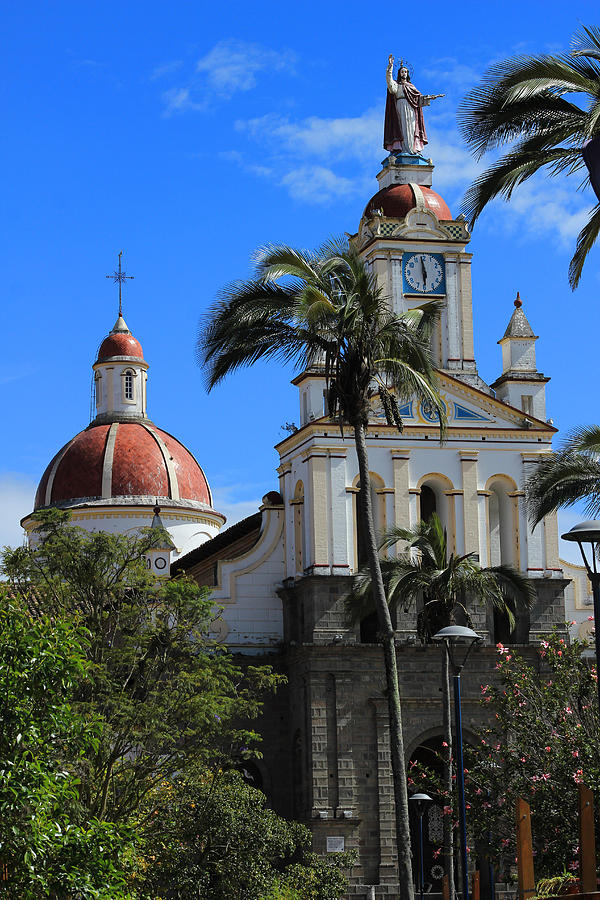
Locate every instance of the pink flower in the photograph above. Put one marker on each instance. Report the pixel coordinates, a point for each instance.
(590, 618)
(568, 710)
(501, 649)
(444, 743)
(575, 753)
(447, 810)
(436, 853)
(548, 749)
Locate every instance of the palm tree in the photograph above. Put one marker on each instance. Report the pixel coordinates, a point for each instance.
(424, 571)
(324, 309)
(567, 476)
(525, 99)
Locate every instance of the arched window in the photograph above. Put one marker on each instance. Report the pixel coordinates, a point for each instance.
(428, 503)
(436, 496)
(503, 549)
(98, 383)
(503, 524)
(128, 385)
(299, 535)
(369, 630)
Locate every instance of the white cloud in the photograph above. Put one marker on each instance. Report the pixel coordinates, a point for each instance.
(233, 65)
(229, 67)
(357, 137)
(17, 493)
(177, 100)
(450, 73)
(165, 69)
(542, 206)
(317, 158)
(318, 184)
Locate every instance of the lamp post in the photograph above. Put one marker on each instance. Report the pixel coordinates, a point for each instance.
(421, 801)
(452, 637)
(589, 533)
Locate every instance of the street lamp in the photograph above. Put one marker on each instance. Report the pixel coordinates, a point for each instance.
(453, 637)
(589, 533)
(421, 801)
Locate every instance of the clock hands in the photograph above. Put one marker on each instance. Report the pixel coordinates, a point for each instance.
(424, 272)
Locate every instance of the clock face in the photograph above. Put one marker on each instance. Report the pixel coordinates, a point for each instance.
(424, 272)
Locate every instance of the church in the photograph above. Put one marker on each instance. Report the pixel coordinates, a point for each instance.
(281, 575)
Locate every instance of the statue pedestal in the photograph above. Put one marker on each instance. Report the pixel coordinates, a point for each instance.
(405, 168)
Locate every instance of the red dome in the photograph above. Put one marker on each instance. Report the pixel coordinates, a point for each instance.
(120, 344)
(398, 199)
(123, 460)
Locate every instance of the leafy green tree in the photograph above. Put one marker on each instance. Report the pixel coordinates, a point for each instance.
(325, 310)
(48, 846)
(567, 476)
(166, 696)
(550, 106)
(216, 837)
(542, 743)
(444, 583)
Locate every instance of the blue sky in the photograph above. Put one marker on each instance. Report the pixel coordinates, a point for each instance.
(188, 135)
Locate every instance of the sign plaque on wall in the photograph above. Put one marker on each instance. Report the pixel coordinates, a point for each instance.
(335, 844)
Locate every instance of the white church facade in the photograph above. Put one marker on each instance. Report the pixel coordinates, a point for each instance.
(281, 575)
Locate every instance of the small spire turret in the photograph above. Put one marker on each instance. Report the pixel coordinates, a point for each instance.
(521, 385)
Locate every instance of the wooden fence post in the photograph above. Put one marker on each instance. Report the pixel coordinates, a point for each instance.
(475, 890)
(445, 888)
(587, 841)
(524, 851)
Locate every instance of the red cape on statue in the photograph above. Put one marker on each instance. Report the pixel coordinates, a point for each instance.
(392, 129)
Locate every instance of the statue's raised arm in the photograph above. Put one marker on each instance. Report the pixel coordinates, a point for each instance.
(404, 130)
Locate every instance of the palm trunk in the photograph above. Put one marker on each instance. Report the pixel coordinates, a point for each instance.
(405, 876)
(447, 756)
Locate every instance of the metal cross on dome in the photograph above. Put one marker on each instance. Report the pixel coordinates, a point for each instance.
(119, 277)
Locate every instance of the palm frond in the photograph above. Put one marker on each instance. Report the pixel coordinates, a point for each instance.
(585, 241)
(511, 170)
(563, 479)
(585, 439)
(587, 42)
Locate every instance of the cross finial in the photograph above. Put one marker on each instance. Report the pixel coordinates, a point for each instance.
(118, 277)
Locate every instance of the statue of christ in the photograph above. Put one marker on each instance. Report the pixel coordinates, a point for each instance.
(404, 129)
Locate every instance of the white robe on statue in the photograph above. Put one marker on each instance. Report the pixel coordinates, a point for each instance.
(406, 115)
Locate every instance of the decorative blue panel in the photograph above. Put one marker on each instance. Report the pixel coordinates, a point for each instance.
(464, 414)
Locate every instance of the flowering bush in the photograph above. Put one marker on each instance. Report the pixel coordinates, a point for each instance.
(542, 743)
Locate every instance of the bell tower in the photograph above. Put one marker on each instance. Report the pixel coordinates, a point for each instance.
(418, 252)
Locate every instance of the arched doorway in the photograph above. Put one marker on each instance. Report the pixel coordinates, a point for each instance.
(428, 754)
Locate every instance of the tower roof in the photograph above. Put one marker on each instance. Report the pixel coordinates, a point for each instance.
(398, 199)
(519, 326)
(126, 462)
(120, 342)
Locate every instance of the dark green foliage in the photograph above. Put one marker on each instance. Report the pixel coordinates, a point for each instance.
(567, 476)
(324, 309)
(49, 845)
(550, 106)
(542, 743)
(446, 582)
(215, 837)
(167, 697)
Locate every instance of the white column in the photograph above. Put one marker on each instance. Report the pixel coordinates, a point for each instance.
(452, 303)
(532, 545)
(482, 516)
(398, 304)
(413, 507)
(340, 559)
